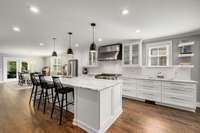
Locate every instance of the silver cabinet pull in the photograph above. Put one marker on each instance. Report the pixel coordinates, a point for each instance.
(148, 94)
(126, 90)
(176, 98)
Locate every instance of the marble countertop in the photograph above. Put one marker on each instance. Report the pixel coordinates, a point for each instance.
(87, 82)
(158, 79)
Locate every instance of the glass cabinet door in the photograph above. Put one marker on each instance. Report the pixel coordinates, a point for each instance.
(126, 55)
(135, 54)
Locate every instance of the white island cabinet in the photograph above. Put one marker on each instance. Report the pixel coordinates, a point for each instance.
(97, 102)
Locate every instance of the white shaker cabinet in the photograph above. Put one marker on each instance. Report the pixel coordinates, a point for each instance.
(175, 94)
(129, 88)
(149, 90)
(132, 54)
(180, 94)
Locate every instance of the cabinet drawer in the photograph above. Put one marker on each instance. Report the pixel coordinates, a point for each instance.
(179, 90)
(149, 83)
(180, 100)
(179, 84)
(149, 95)
(129, 92)
(129, 85)
(150, 88)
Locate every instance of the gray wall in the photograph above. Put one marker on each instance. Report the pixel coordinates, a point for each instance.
(195, 60)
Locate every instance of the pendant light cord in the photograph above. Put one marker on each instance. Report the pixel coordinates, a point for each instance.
(69, 41)
(93, 34)
(70, 38)
(54, 43)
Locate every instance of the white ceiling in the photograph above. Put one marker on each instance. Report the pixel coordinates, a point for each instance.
(155, 18)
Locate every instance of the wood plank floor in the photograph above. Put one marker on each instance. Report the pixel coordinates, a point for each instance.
(17, 116)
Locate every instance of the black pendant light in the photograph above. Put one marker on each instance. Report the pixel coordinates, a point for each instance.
(69, 50)
(54, 52)
(93, 45)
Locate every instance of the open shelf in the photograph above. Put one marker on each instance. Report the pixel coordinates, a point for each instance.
(186, 44)
(185, 55)
(184, 66)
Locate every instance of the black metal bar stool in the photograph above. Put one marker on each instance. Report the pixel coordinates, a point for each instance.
(35, 91)
(59, 89)
(45, 94)
(21, 79)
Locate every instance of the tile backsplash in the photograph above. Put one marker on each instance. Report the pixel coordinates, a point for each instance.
(167, 72)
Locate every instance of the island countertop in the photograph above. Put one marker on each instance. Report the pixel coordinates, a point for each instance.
(87, 82)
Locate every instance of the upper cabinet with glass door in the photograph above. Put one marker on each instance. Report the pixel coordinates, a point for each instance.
(132, 53)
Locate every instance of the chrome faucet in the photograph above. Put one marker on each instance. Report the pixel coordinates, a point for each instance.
(160, 75)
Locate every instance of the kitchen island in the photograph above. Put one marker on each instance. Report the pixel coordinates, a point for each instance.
(97, 102)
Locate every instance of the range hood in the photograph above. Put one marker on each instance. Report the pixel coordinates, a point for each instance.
(110, 52)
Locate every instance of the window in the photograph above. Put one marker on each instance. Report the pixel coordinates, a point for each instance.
(56, 66)
(11, 69)
(159, 54)
(24, 67)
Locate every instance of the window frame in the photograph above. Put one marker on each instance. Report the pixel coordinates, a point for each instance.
(158, 45)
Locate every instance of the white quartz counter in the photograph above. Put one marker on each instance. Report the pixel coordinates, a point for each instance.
(88, 82)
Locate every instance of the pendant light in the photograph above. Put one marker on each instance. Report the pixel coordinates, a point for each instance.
(69, 50)
(93, 45)
(54, 52)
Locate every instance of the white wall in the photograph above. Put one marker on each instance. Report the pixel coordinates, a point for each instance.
(36, 63)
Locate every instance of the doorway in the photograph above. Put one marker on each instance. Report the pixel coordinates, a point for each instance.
(10, 68)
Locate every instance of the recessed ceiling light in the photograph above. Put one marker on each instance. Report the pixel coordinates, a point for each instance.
(125, 12)
(100, 39)
(15, 28)
(34, 9)
(76, 45)
(41, 44)
(137, 31)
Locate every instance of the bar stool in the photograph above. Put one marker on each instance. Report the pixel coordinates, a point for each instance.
(21, 79)
(36, 84)
(46, 86)
(59, 89)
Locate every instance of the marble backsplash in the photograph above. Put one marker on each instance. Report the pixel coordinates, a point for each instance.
(117, 67)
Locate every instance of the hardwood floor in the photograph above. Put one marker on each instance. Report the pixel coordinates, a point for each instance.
(17, 116)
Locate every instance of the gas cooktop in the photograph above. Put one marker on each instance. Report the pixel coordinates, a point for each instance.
(108, 76)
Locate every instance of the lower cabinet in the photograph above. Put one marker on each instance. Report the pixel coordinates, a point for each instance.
(130, 88)
(181, 94)
(170, 93)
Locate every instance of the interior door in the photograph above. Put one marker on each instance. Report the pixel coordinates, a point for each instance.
(10, 69)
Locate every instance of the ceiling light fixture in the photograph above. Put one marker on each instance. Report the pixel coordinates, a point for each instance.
(137, 31)
(41, 44)
(34, 9)
(69, 50)
(125, 12)
(17, 29)
(100, 39)
(93, 45)
(76, 45)
(54, 52)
